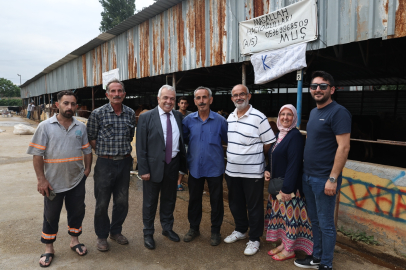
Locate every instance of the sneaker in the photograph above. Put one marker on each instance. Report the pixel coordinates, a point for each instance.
(252, 248)
(190, 235)
(308, 262)
(235, 236)
(322, 266)
(215, 239)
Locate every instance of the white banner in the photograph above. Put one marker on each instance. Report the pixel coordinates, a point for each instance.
(296, 23)
(108, 76)
(271, 65)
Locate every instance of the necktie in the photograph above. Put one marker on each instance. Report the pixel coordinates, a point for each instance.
(168, 150)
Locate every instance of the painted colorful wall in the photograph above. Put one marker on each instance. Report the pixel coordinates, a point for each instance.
(373, 199)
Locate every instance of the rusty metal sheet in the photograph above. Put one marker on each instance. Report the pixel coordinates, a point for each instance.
(203, 33)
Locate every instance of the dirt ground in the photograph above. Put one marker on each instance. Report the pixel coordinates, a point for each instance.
(21, 209)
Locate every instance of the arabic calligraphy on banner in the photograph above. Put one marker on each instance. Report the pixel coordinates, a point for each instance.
(296, 23)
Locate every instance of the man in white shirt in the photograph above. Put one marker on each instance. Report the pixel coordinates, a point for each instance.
(249, 138)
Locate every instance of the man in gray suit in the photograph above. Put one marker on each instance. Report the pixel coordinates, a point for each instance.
(160, 155)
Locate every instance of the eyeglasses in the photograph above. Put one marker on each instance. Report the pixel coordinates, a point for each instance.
(323, 86)
(241, 95)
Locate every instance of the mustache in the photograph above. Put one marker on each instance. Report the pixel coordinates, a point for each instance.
(116, 97)
(238, 100)
(69, 111)
(202, 104)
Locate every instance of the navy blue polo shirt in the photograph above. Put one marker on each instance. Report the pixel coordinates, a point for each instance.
(321, 144)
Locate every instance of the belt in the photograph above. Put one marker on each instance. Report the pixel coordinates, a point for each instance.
(116, 157)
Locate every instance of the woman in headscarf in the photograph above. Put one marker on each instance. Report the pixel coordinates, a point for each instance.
(286, 219)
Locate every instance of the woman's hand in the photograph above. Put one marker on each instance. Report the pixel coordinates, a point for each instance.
(285, 197)
(267, 176)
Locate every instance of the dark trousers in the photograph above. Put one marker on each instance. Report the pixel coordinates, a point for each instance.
(75, 208)
(111, 177)
(247, 194)
(196, 186)
(168, 189)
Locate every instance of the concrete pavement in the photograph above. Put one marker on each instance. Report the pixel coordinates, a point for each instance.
(21, 209)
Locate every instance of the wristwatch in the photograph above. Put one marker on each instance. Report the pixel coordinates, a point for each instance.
(332, 179)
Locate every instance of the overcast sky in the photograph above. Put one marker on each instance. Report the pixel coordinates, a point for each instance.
(37, 33)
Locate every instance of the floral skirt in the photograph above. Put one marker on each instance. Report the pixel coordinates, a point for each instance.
(289, 222)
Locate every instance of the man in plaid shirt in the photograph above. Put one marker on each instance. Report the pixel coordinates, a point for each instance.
(111, 130)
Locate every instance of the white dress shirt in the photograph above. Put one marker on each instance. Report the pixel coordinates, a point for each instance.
(175, 130)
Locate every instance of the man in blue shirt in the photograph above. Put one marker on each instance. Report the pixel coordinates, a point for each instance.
(325, 154)
(204, 130)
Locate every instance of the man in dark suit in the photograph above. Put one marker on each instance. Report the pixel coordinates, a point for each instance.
(160, 155)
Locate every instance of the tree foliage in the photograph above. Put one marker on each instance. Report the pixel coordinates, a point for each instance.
(115, 11)
(8, 88)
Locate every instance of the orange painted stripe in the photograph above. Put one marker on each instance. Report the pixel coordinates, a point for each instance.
(85, 146)
(37, 146)
(63, 160)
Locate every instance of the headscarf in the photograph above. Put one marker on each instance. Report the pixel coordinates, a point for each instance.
(282, 130)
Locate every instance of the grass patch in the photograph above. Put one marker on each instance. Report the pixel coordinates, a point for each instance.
(359, 236)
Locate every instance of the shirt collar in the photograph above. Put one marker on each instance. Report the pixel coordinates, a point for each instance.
(161, 112)
(109, 108)
(211, 114)
(53, 120)
(245, 114)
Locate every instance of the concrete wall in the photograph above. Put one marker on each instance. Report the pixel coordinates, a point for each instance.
(373, 199)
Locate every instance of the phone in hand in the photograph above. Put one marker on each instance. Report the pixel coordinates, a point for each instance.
(52, 195)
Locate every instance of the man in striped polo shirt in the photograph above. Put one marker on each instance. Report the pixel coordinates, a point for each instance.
(57, 147)
(249, 138)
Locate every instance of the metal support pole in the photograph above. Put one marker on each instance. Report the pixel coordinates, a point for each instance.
(244, 75)
(174, 81)
(92, 99)
(299, 78)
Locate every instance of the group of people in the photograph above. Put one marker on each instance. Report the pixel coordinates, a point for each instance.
(302, 215)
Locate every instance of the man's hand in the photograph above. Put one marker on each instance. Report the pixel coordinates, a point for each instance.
(87, 172)
(330, 189)
(267, 176)
(145, 177)
(285, 197)
(43, 186)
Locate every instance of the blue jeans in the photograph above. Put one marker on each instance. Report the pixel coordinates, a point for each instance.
(320, 209)
(29, 114)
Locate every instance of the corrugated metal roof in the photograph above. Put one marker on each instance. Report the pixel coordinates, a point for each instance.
(174, 35)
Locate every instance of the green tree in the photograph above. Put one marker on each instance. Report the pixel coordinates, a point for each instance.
(115, 11)
(8, 88)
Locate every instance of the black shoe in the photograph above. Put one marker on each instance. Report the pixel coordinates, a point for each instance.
(171, 235)
(191, 234)
(215, 239)
(308, 262)
(322, 266)
(149, 242)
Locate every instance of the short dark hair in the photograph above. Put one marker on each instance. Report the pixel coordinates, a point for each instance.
(181, 98)
(66, 93)
(326, 76)
(114, 81)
